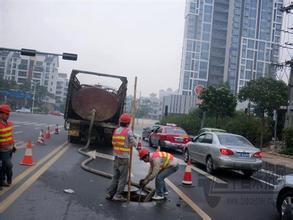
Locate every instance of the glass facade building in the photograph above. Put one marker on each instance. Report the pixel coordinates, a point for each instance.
(230, 41)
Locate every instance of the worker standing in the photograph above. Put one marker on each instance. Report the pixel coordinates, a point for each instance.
(122, 141)
(6, 145)
(162, 165)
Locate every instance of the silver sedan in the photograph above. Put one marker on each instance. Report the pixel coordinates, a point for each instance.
(224, 150)
(284, 197)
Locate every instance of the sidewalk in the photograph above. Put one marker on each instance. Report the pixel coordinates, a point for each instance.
(278, 159)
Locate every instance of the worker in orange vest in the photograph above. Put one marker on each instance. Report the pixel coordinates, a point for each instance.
(162, 165)
(122, 140)
(6, 145)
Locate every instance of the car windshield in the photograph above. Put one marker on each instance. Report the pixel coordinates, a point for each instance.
(233, 140)
(175, 130)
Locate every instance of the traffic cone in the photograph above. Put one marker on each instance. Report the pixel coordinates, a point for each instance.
(28, 156)
(48, 133)
(41, 137)
(138, 147)
(187, 178)
(57, 129)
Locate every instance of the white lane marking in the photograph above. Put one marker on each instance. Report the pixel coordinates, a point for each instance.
(18, 143)
(209, 176)
(262, 181)
(29, 123)
(270, 172)
(15, 126)
(17, 132)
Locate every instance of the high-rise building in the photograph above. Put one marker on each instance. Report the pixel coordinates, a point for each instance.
(230, 41)
(41, 69)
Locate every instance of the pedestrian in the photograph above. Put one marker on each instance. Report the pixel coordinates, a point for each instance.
(162, 165)
(122, 141)
(6, 145)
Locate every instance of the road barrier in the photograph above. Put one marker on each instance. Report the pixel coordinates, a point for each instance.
(187, 178)
(28, 155)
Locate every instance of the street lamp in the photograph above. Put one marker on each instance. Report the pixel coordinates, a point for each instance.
(34, 96)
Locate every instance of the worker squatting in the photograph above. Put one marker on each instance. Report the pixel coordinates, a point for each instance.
(162, 164)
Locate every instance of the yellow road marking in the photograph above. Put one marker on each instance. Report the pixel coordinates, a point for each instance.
(31, 169)
(186, 199)
(21, 189)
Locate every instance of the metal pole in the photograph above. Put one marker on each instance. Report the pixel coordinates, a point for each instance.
(133, 108)
(290, 96)
(275, 128)
(33, 105)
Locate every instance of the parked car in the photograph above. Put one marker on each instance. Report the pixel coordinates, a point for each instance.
(56, 113)
(23, 110)
(284, 196)
(224, 150)
(147, 131)
(169, 137)
(210, 129)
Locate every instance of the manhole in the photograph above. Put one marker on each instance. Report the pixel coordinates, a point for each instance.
(139, 196)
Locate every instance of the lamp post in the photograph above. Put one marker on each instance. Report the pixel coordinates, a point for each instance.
(34, 96)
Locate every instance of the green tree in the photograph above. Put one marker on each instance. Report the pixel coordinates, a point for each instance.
(26, 86)
(218, 102)
(267, 94)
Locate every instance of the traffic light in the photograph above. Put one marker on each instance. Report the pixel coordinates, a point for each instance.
(28, 52)
(69, 56)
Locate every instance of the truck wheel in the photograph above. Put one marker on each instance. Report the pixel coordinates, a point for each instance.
(74, 140)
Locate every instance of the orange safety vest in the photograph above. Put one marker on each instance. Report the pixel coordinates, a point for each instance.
(118, 141)
(6, 137)
(165, 156)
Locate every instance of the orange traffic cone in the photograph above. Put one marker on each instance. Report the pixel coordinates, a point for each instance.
(28, 156)
(57, 129)
(138, 147)
(48, 133)
(187, 178)
(41, 137)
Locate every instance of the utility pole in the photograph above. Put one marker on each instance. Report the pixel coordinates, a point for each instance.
(289, 117)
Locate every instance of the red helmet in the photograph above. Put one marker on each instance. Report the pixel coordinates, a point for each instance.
(125, 118)
(4, 108)
(143, 152)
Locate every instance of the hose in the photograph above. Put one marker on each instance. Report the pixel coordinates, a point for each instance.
(84, 166)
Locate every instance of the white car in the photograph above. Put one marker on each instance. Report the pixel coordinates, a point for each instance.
(23, 110)
(284, 196)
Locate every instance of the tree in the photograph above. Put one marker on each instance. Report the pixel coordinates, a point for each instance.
(267, 94)
(218, 102)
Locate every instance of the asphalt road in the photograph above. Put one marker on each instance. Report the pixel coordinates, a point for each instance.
(38, 191)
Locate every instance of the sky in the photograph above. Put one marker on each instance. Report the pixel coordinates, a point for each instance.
(131, 38)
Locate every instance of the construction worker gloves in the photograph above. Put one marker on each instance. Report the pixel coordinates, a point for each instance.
(142, 183)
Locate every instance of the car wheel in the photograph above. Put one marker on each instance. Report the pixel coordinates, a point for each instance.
(210, 165)
(285, 205)
(150, 143)
(247, 173)
(186, 155)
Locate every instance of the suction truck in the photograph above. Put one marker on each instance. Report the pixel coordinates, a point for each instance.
(94, 103)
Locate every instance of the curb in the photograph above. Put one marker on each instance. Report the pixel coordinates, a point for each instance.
(280, 155)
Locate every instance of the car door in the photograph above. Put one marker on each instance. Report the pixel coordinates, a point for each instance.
(155, 137)
(193, 147)
(204, 148)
